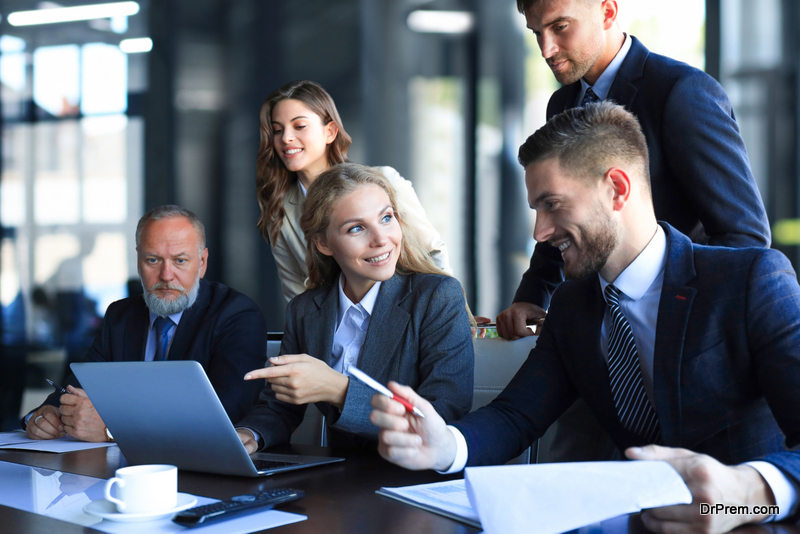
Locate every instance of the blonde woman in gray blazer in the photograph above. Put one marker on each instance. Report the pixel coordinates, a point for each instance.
(301, 136)
(375, 301)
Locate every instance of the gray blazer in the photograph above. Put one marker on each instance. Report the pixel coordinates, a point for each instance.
(419, 335)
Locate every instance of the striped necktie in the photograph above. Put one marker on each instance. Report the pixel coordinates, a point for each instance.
(163, 326)
(630, 398)
(589, 97)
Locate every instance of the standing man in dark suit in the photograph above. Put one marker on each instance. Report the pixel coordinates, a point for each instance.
(179, 317)
(686, 353)
(699, 170)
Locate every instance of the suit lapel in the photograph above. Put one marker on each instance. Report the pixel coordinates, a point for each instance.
(293, 203)
(623, 89)
(187, 328)
(564, 98)
(319, 326)
(591, 370)
(387, 326)
(673, 319)
(136, 330)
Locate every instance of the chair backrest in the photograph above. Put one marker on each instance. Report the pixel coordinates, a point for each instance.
(273, 349)
(496, 362)
(312, 430)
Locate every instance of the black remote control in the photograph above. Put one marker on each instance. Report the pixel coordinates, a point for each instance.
(201, 515)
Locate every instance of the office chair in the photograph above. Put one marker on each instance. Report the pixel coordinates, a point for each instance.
(312, 430)
(497, 360)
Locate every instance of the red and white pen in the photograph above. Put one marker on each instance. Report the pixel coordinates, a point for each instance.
(380, 388)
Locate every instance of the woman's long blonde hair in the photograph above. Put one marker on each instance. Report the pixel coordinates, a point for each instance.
(273, 179)
(323, 195)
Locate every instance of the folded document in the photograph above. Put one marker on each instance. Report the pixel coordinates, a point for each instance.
(20, 440)
(549, 498)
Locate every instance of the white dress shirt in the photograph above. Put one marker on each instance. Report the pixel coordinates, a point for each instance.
(352, 321)
(640, 287)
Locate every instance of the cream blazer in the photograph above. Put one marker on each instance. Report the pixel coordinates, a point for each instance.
(289, 249)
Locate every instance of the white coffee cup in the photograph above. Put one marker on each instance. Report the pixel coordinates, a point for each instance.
(144, 489)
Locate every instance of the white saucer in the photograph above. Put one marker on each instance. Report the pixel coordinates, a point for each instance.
(108, 510)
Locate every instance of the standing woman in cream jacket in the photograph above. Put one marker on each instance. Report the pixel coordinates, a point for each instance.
(302, 136)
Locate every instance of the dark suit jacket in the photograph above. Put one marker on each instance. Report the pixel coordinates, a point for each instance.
(700, 174)
(726, 365)
(418, 335)
(223, 330)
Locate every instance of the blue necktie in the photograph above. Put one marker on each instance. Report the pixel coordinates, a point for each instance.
(589, 97)
(164, 326)
(630, 398)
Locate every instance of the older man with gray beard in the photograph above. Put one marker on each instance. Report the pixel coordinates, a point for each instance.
(181, 316)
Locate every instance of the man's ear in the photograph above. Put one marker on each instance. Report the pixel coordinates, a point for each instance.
(610, 12)
(620, 184)
(322, 246)
(331, 131)
(203, 262)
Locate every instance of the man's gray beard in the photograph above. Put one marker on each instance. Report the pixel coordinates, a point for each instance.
(164, 308)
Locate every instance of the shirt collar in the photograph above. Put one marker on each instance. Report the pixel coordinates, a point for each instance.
(603, 84)
(367, 303)
(176, 318)
(302, 187)
(637, 277)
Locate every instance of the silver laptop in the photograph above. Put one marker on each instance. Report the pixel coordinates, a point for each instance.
(168, 413)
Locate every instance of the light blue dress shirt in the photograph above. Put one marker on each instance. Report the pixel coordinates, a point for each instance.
(603, 84)
(150, 347)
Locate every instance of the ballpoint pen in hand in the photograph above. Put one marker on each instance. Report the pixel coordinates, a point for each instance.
(60, 389)
(380, 388)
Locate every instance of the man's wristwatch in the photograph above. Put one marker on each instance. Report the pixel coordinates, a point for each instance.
(109, 437)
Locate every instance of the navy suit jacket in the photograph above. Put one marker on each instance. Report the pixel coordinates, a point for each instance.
(223, 330)
(699, 170)
(419, 335)
(726, 371)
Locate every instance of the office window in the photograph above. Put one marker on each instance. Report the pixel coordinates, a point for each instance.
(437, 156)
(71, 186)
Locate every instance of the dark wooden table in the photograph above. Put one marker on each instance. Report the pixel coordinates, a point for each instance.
(339, 497)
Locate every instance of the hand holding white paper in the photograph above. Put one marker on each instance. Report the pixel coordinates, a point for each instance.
(558, 497)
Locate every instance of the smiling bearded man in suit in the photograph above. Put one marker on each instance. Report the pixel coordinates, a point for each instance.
(686, 353)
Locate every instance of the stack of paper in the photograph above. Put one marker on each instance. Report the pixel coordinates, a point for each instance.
(549, 498)
(20, 440)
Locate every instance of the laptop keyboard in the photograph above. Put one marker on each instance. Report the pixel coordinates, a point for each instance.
(266, 465)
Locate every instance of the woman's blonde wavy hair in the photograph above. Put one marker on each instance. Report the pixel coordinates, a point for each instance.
(273, 179)
(324, 194)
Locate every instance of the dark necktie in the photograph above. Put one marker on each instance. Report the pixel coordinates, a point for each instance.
(163, 326)
(589, 97)
(630, 398)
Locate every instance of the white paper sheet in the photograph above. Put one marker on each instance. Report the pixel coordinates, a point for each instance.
(19, 440)
(446, 498)
(548, 498)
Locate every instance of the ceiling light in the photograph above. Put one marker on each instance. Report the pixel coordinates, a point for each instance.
(71, 14)
(135, 46)
(427, 21)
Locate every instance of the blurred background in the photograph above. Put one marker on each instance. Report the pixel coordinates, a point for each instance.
(157, 102)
